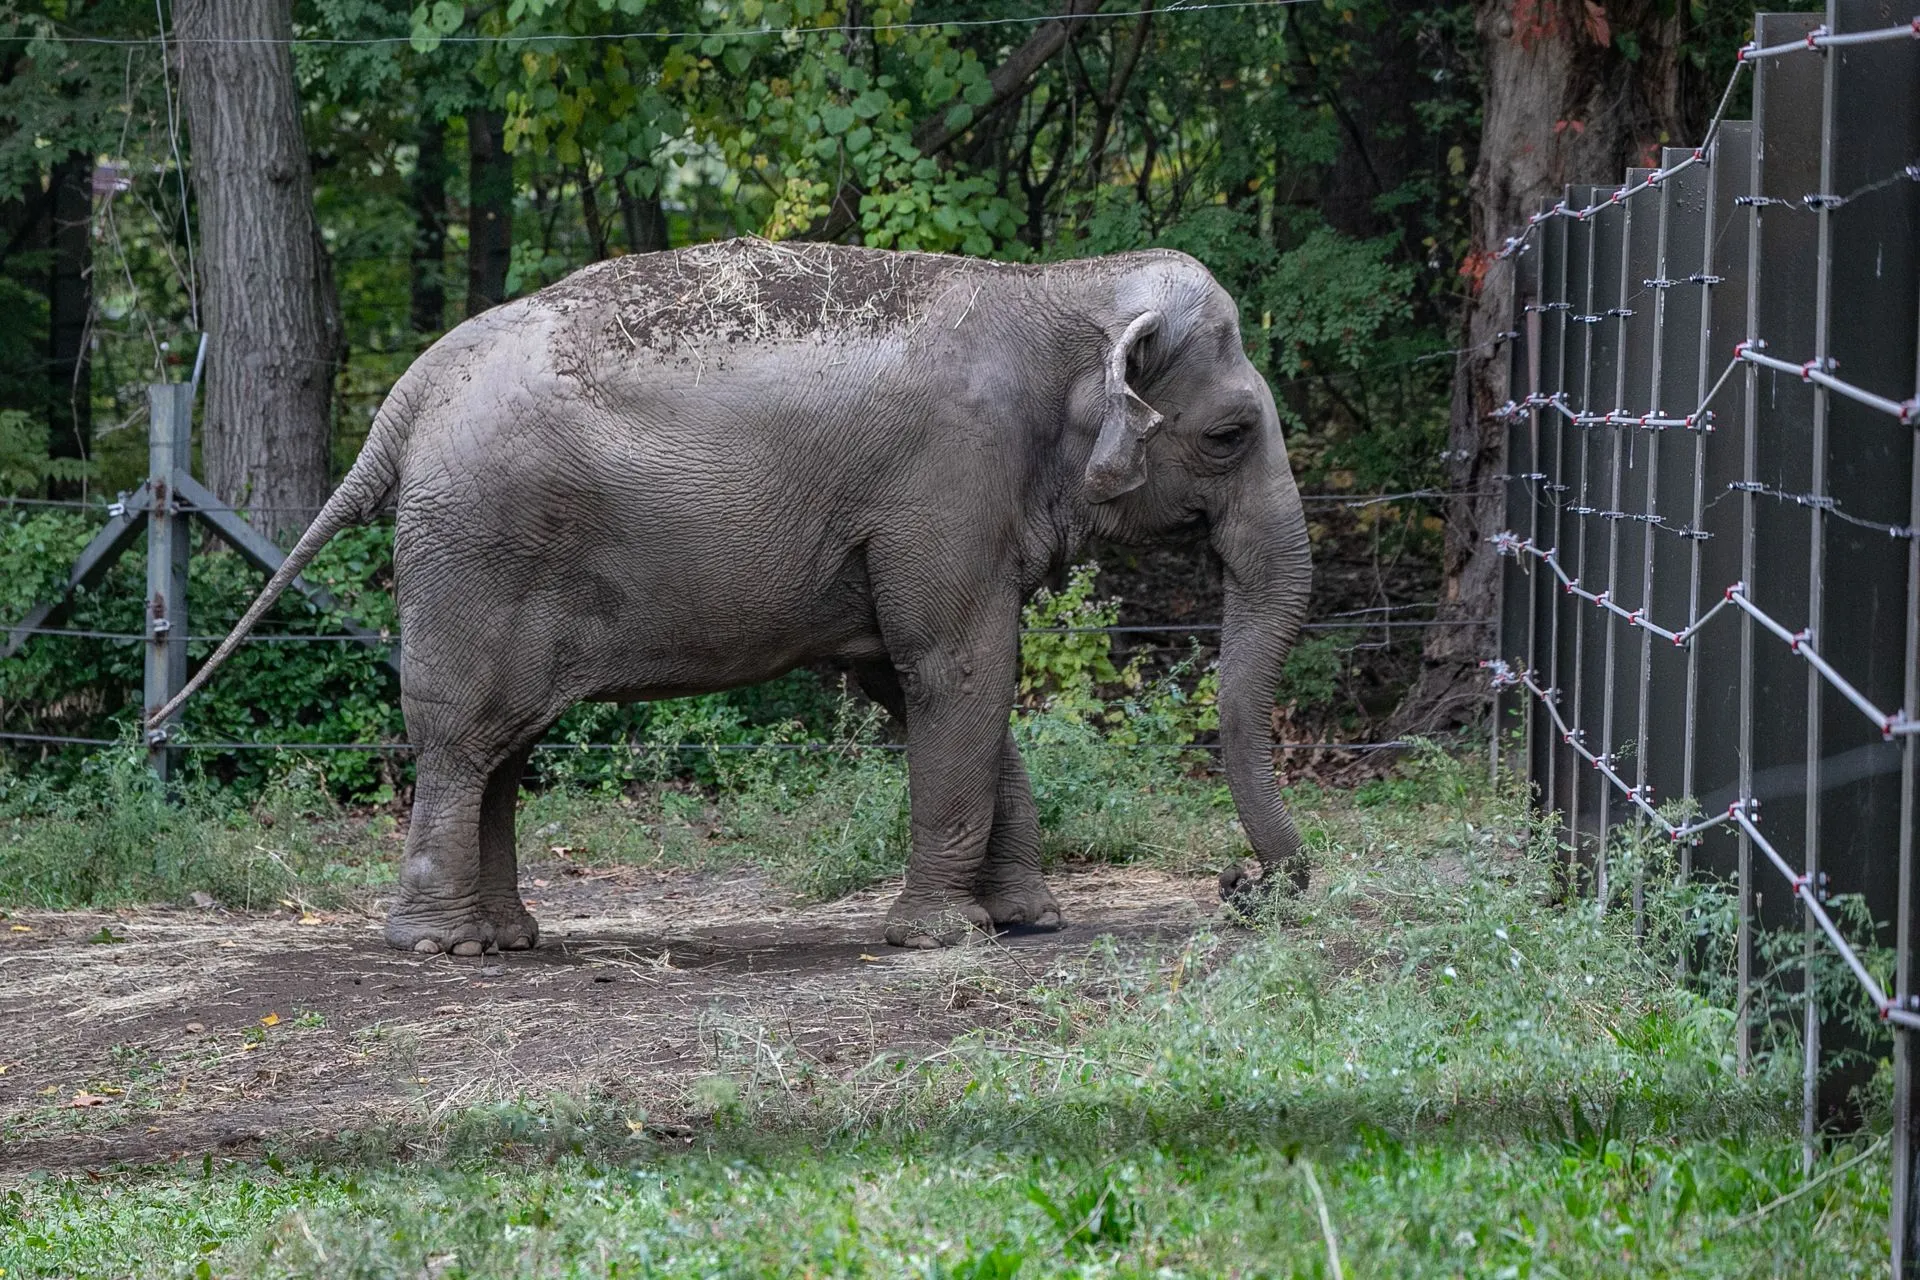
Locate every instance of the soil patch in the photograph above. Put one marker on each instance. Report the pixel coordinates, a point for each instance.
(138, 1036)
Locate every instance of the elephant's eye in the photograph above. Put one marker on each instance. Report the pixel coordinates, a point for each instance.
(1229, 438)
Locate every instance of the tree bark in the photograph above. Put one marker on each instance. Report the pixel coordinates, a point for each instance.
(267, 296)
(489, 209)
(1563, 104)
(590, 213)
(69, 308)
(427, 191)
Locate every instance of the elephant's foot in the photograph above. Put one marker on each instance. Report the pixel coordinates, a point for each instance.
(1245, 895)
(465, 930)
(1020, 899)
(934, 920)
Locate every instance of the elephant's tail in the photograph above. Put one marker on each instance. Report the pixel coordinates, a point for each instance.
(360, 496)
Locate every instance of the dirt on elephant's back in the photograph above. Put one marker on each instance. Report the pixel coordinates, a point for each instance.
(148, 1035)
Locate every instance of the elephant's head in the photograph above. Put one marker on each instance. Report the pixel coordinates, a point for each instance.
(1183, 430)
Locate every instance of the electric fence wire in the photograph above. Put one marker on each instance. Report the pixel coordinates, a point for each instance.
(654, 748)
(378, 638)
(839, 31)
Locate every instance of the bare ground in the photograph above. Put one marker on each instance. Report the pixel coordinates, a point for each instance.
(157, 1034)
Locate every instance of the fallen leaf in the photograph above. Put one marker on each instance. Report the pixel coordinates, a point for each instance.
(105, 935)
(271, 1020)
(21, 928)
(289, 905)
(423, 1079)
(560, 850)
(229, 943)
(865, 956)
(249, 1046)
(541, 884)
(83, 1100)
(50, 1090)
(110, 1089)
(311, 920)
(195, 1028)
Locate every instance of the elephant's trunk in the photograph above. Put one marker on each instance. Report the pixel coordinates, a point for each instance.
(1267, 580)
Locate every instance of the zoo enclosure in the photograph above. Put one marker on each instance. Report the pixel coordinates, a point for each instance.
(1709, 632)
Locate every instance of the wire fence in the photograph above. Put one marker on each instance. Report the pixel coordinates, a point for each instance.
(162, 505)
(1723, 349)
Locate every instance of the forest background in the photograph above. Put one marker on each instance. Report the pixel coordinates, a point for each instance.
(326, 186)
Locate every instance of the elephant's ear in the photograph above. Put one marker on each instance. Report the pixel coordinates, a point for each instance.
(1118, 464)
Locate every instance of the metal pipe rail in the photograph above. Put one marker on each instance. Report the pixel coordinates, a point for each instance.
(1891, 724)
(1819, 371)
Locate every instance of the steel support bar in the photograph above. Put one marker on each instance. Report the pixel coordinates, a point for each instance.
(170, 405)
(128, 517)
(1815, 372)
(259, 551)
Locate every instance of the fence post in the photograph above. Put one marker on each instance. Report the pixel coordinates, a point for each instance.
(1905, 1192)
(170, 426)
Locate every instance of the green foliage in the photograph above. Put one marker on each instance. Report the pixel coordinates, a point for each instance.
(24, 464)
(1314, 667)
(1065, 659)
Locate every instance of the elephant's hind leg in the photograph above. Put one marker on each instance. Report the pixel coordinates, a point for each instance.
(1009, 884)
(458, 885)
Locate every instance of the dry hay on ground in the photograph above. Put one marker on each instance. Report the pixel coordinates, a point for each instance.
(201, 1031)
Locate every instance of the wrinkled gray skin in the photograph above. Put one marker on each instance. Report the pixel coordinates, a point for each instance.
(684, 472)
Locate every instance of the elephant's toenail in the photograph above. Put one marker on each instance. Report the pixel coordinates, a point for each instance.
(427, 947)
(467, 948)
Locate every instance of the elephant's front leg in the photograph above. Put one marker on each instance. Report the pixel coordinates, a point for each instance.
(958, 694)
(1010, 886)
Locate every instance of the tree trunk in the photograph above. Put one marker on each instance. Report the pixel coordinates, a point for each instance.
(269, 308)
(427, 191)
(590, 213)
(69, 307)
(489, 209)
(1563, 104)
(644, 220)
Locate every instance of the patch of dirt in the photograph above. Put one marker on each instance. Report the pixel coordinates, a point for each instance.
(139, 1036)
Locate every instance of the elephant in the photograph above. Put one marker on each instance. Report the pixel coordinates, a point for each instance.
(682, 472)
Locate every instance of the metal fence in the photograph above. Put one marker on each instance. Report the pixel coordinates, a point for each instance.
(1713, 516)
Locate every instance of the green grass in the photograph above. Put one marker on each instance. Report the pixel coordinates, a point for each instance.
(823, 823)
(1423, 1068)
